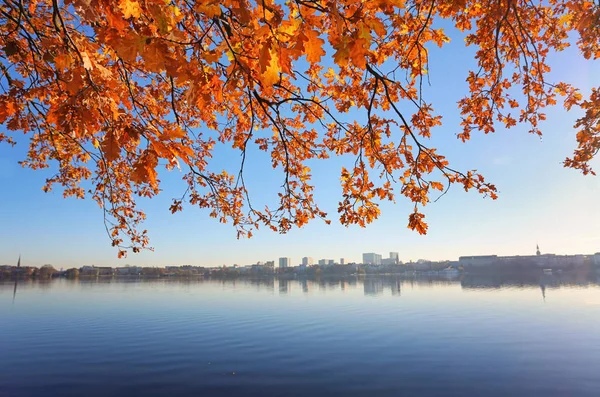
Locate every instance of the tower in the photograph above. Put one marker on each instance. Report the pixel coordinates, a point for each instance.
(537, 250)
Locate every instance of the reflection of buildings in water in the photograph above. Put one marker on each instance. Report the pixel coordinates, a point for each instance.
(373, 286)
(543, 288)
(480, 282)
(284, 286)
(15, 289)
(322, 284)
(343, 285)
(305, 286)
(543, 282)
(396, 287)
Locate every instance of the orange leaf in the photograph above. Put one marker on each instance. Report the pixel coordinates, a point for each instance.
(314, 46)
(342, 52)
(269, 64)
(144, 170)
(415, 222)
(129, 46)
(437, 185)
(110, 147)
(358, 53)
(7, 108)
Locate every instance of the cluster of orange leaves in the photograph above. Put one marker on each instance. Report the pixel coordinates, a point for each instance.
(111, 91)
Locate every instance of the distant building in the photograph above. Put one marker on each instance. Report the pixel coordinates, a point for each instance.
(91, 271)
(322, 262)
(122, 271)
(371, 258)
(395, 257)
(422, 265)
(539, 260)
(344, 261)
(307, 261)
(389, 261)
(596, 259)
(135, 270)
(285, 263)
(478, 260)
(105, 271)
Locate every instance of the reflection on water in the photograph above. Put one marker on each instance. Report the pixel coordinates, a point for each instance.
(352, 336)
(371, 285)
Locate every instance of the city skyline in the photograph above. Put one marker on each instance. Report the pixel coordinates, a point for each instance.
(367, 258)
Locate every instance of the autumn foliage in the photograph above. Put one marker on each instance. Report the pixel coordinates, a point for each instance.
(112, 92)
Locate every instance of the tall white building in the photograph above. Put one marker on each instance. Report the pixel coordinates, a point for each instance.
(285, 262)
(395, 258)
(307, 261)
(371, 258)
(344, 261)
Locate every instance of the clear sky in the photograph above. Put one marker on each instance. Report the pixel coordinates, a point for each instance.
(539, 200)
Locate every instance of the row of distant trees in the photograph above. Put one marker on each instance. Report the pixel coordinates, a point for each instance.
(45, 272)
(49, 272)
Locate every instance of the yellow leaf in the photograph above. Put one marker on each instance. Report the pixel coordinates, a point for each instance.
(87, 62)
(210, 10)
(130, 8)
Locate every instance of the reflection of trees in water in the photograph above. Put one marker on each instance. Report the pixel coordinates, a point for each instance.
(264, 283)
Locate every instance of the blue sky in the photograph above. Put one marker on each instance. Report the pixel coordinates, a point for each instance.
(539, 200)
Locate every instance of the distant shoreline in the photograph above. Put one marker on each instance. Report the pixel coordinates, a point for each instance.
(529, 273)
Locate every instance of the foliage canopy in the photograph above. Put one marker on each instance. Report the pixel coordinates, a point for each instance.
(113, 90)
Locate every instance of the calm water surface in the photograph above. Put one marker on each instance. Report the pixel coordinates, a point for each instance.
(353, 337)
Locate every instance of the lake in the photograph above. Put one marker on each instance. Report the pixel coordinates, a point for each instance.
(352, 337)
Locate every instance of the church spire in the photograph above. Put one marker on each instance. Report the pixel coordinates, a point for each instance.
(537, 249)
